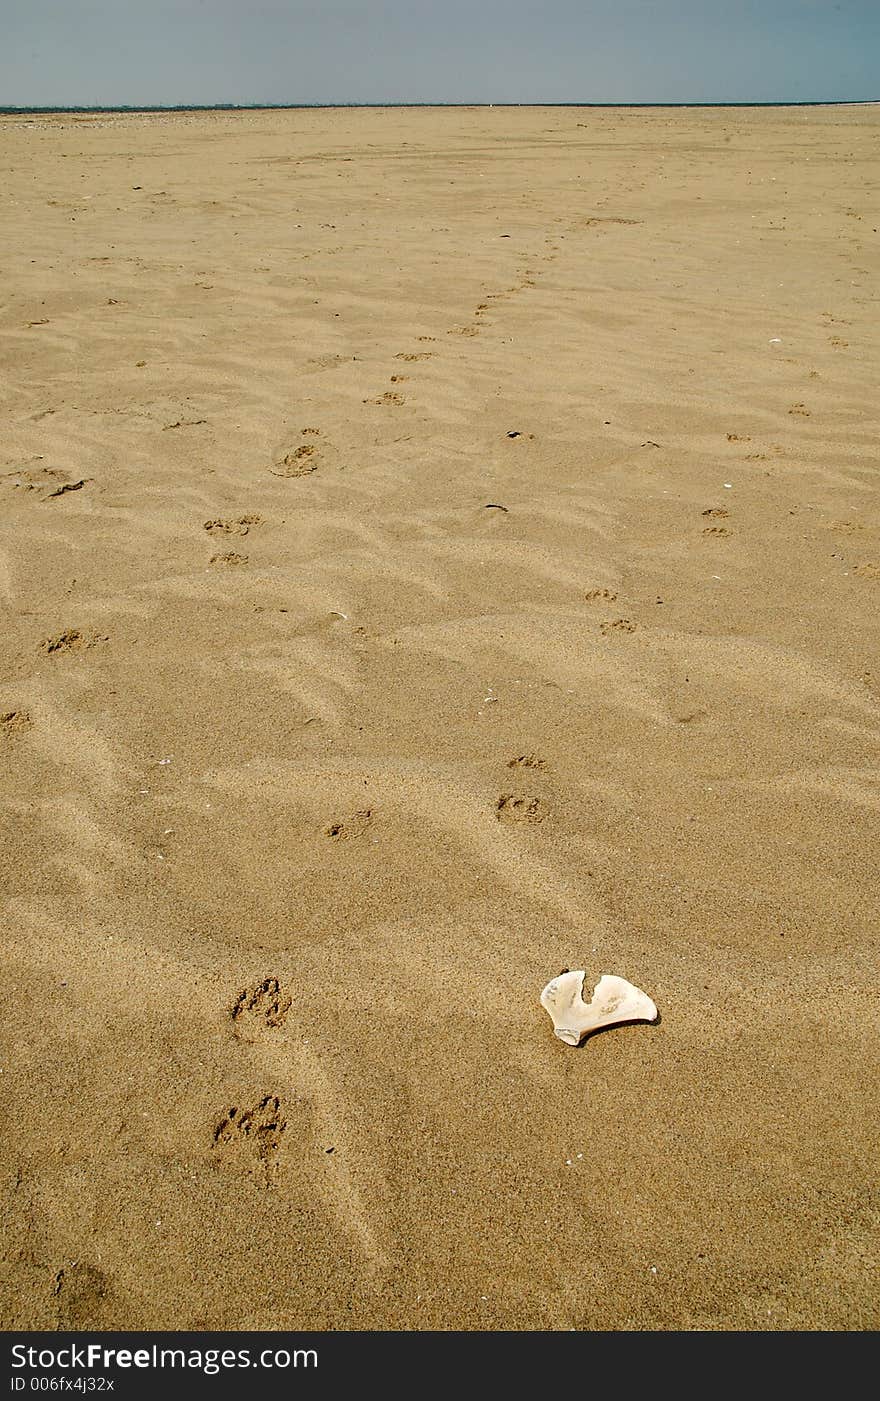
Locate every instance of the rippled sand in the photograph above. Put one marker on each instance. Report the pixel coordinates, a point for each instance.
(439, 548)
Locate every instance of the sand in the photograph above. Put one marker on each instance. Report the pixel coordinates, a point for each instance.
(439, 548)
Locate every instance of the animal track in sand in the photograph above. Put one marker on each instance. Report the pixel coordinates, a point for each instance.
(80, 1291)
(299, 462)
(600, 595)
(463, 331)
(609, 219)
(399, 379)
(617, 625)
(738, 438)
(870, 570)
(252, 1137)
(353, 826)
(228, 557)
(838, 342)
(512, 807)
(390, 397)
(240, 526)
(800, 409)
(717, 531)
(716, 513)
(844, 527)
(526, 761)
(261, 1009)
(15, 722)
(70, 641)
(412, 355)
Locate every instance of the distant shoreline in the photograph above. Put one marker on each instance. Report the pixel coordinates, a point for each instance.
(379, 106)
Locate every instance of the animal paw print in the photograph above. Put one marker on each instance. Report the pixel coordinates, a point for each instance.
(413, 355)
(390, 397)
(738, 438)
(717, 531)
(353, 826)
(526, 761)
(239, 526)
(800, 409)
(15, 722)
(70, 641)
(301, 460)
(617, 625)
(261, 1009)
(298, 463)
(838, 342)
(716, 513)
(228, 557)
(252, 1137)
(511, 807)
(600, 595)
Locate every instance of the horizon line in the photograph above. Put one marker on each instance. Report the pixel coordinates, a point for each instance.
(51, 108)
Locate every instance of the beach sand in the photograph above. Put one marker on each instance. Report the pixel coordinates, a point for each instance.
(439, 548)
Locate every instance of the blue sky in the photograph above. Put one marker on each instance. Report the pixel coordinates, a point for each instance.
(84, 52)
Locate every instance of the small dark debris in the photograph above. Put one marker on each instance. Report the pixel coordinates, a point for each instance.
(68, 486)
(514, 433)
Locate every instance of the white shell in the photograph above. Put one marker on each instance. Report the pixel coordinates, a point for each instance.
(614, 1000)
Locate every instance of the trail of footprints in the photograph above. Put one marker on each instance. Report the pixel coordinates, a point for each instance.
(241, 525)
(250, 1136)
(302, 459)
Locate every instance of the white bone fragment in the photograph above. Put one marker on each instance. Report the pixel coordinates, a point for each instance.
(614, 1000)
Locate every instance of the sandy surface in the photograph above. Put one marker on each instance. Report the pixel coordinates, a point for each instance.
(439, 548)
